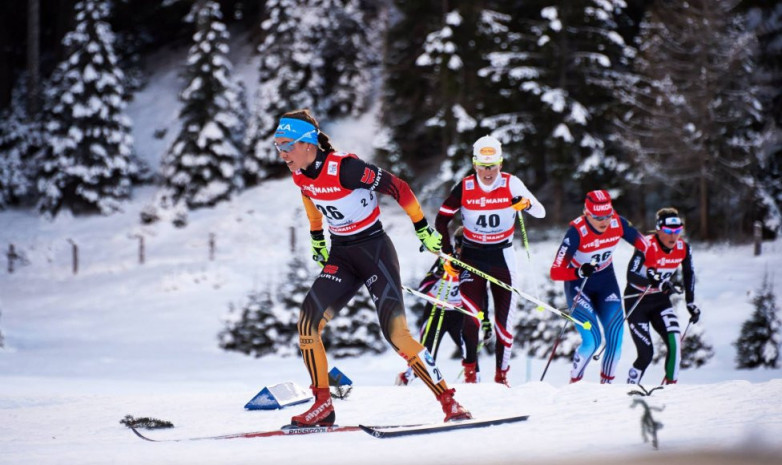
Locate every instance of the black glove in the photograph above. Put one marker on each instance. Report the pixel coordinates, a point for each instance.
(695, 312)
(586, 270)
(486, 326)
(655, 278)
(667, 287)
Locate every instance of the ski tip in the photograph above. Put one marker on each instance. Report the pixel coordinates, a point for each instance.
(140, 435)
(392, 432)
(371, 431)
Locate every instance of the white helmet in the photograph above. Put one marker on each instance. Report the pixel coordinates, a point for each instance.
(487, 151)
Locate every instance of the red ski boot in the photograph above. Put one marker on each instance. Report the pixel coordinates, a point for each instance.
(501, 376)
(470, 372)
(452, 409)
(320, 414)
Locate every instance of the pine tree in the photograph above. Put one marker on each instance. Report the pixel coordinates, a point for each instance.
(759, 341)
(695, 350)
(563, 62)
(344, 38)
(765, 20)
(695, 113)
(290, 77)
(450, 60)
(87, 163)
(203, 165)
(537, 332)
(297, 283)
(20, 138)
(355, 330)
(314, 55)
(261, 327)
(408, 91)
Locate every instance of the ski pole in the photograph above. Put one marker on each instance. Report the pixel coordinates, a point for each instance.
(584, 324)
(429, 321)
(442, 303)
(562, 330)
(529, 256)
(635, 305)
(437, 337)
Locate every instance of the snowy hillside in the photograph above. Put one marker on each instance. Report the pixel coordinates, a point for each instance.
(82, 351)
(120, 337)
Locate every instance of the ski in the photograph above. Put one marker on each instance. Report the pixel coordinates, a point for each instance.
(287, 430)
(386, 432)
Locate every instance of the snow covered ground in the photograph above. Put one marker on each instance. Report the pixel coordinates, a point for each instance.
(84, 350)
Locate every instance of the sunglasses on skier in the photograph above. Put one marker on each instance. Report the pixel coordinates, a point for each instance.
(600, 218)
(668, 230)
(288, 146)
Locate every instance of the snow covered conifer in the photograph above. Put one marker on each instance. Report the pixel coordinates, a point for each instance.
(296, 284)
(290, 77)
(260, 327)
(20, 138)
(695, 350)
(536, 332)
(203, 165)
(563, 66)
(87, 162)
(355, 330)
(315, 54)
(759, 341)
(345, 42)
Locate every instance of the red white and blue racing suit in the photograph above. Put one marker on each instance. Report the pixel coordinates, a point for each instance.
(599, 301)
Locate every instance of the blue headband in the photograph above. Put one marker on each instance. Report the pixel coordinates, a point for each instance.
(298, 130)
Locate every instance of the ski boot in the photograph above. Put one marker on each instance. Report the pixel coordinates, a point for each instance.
(452, 409)
(501, 376)
(320, 414)
(470, 372)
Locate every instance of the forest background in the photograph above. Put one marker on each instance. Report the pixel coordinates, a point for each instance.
(661, 102)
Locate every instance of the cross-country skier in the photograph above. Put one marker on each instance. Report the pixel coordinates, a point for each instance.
(586, 253)
(656, 270)
(488, 201)
(441, 282)
(344, 189)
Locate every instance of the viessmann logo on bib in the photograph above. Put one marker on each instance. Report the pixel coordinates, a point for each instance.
(320, 190)
(484, 201)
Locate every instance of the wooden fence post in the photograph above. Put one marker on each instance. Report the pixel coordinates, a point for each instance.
(293, 239)
(140, 249)
(74, 256)
(11, 257)
(758, 234)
